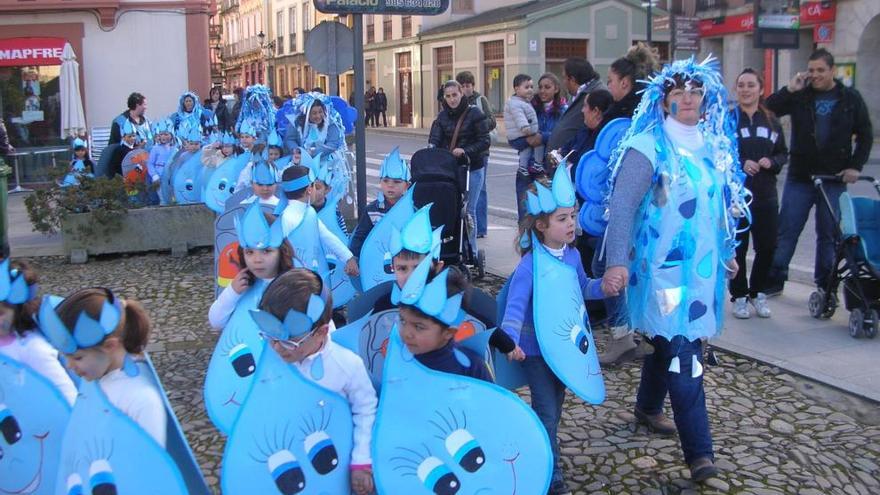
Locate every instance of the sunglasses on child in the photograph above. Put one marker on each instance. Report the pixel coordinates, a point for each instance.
(290, 344)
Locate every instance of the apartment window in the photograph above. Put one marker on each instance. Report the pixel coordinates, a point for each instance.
(493, 73)
(557, 50)
(371, 28)
(279, 31)
(406, 23)
(370, 72)
(386, 28)
(291, 38)
(443, 65)
(307, 26)
(462, 6)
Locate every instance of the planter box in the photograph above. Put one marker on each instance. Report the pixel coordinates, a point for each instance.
(159, 228)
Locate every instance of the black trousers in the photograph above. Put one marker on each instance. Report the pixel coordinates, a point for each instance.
(762, 233)
(384, 119)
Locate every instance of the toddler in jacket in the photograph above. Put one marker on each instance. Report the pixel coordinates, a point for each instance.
(521, 121)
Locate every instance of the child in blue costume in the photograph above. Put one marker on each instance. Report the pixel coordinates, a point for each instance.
(80, 165)
(430, 311)
(247, 138)
(551, 219)
(314, 131)
(217, 152)
(394, 180)
(299, 300)
(675, 210)
(19, 338)
(297, 183)
(99, 333)
(264, 184)
(161, 154)
(264, 254)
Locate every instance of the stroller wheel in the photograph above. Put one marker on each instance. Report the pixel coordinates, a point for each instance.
(481, 263)
(856, 323)
(872, 324)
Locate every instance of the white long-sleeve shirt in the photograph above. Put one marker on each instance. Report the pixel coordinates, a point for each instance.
(293, 215)
(345, 374)
(139, 399)
(34, 351)
(223, 307)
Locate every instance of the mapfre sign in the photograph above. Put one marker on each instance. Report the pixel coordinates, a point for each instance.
(31, 51)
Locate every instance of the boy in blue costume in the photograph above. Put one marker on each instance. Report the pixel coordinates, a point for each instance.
(394, 180)
(160, 155)
(264, 184)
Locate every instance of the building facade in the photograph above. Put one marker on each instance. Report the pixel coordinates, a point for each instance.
(242, 56)
(849, 29)
(157, 48)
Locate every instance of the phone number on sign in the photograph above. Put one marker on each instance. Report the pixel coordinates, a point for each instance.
(424, 4)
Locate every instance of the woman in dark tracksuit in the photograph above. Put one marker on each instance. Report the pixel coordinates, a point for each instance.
(762, 153)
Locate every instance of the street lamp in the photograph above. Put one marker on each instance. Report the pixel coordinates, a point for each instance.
(649, 4)
(267, 50)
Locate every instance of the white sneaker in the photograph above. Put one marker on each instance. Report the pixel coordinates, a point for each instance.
(741, 308)
(760, 304)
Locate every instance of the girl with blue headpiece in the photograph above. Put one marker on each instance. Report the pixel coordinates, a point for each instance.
(394, 179)
(675, 207)
(99, 334)
(550, 220)
(264, 184)
(19, 338)
(217, 152)
(295, 317)
(80, 165)
(160, 156)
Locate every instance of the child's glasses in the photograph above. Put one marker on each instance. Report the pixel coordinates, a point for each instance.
(290, 345)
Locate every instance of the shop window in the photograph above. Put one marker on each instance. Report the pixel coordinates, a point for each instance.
(31, 103)
(493, 73)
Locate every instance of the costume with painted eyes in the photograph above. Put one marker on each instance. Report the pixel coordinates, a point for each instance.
(234, 360)
(221, 186)
(375, 259)
(687, 226)
(187, 180)
(296, 433)
(450, 434)
(33, 417)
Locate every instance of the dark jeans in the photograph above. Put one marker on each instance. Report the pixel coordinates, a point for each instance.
(685, 393)
(522, 185)
(384, 119)
(483, 202)
(797, 200)
(547, 393)
(615, 306)
(762, 233)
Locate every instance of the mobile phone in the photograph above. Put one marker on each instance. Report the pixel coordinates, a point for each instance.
(250, 277)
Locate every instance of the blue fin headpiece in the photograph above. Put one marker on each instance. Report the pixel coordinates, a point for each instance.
(162, 126)
(315, 164)
(247, 127)
(264, 173)
(87, 332)
(394, 167)
(80, 143)
(429, 297)
(227, 139)
(14, 289)
(253, 229)
(560, 194)
(273, 139)
(295, 324)
(193, 134)
(417, 235)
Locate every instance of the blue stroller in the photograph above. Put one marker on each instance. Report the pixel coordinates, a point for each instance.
(857, 262)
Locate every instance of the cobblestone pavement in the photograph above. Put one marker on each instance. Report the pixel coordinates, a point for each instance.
(774, 433)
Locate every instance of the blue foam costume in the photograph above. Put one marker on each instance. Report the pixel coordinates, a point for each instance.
(187, 176)
(233, 362)
(33, 417)
(292, 436)
(221, 185)
(686, 226)
(442, 433)
(375, 259)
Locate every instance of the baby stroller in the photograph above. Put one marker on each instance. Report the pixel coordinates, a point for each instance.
(441, 180)
(857, 262)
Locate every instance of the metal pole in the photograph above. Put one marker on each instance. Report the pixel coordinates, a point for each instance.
(649, 25)
(775, 69)
(360, 125)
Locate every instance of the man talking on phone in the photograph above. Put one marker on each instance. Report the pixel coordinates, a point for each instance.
(826, 117)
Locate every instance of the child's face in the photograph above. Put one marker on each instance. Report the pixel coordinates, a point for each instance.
(393, 189)
(422, 334)
(247, 141)
(94, 362)
(192, 146)
(297, 154)
(295, 350)
(263, 263)
(7, 314)
(318, 193)
(525, 90)
(316, 115)
(274, 154)
(129, 139)
(558, 230)
(80, 153)
(403, 267)
(164, 137)
(264, 192)
(227, 149)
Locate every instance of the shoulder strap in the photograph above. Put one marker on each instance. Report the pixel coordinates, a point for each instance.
(457, 129)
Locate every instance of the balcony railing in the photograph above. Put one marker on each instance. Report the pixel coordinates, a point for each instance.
(228, 4)
(215, 31)
(240, 48)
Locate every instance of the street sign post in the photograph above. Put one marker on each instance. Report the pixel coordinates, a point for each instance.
(330, 50)
(777, 24)
(399, 7)
(685, 34)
